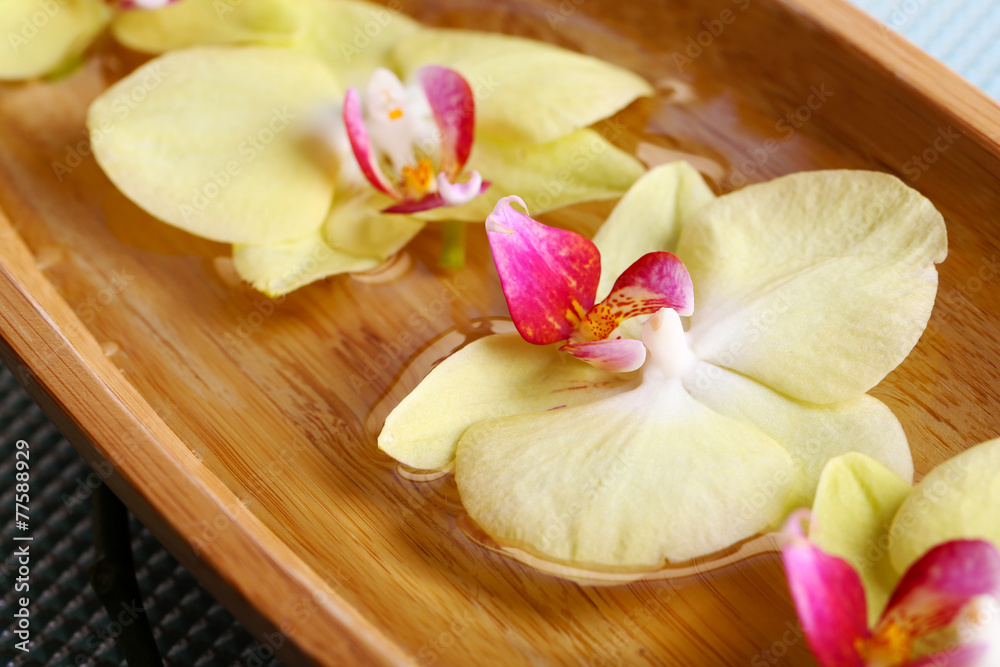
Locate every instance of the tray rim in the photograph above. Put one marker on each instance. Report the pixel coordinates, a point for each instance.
(60, 363)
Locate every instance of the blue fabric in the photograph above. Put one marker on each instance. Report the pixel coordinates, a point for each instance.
(963, 34)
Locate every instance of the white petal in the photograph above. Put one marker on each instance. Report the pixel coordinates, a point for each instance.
(649, 217)
(855, 502)
(495, 376)
(632, 480)
(526, 91)
(959, 499)
(38, 37)
(211, 140)
(283, 267)
(812, 433)
(816, 284)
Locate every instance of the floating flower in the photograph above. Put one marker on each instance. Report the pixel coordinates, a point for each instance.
(808, 290)
(881, 525)
(954, 586)
(45, 36)
(411, 129)
(260, 147)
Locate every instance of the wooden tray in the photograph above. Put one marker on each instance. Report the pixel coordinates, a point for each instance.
(242, 431)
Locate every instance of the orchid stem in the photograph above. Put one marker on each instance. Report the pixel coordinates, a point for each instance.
(453, 246)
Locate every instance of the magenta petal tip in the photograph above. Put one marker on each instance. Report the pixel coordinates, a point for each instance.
(549, 276)
(454, 107)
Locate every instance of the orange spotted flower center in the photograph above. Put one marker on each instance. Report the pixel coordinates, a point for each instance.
(420, 180)
(890, 647)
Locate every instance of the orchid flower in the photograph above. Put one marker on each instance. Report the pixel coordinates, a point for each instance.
(271, 151)
(45, 36)
(411, 128)
(880, 524)
(952, 583)
(805, 296)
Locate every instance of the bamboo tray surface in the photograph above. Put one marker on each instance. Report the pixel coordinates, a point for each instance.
(242, 429)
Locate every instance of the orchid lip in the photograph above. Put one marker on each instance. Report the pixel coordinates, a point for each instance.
(618, 355)
(428, 202)
(456, 194)
(550, 276)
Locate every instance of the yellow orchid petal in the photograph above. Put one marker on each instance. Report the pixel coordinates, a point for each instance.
(211, 140)
(355, 225)
(855, 501)
(813, 434)
(582, 166)
(959, 499)
(649, 217)
(495, 376)
(355, 38)
(526, 91)
(284, 267)
(201, 22)
(816, 284)
(632, 480)
(40, 36)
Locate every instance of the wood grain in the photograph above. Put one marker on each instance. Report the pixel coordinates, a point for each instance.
(242, 429)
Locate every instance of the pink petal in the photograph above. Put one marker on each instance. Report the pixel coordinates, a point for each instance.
(456, 194)
(656, 280)
(934, 590)
(830, 601)
(431, 201)
(618, 355)
(361, 144)
(454, 108)
(795, 524)
(146, 5)
(549, 276)
(439, 198)
(959, 656)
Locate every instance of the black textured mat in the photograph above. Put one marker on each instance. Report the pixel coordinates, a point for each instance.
(68, 624)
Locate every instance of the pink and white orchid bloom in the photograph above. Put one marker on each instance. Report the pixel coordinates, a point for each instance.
(405, 130)
(303, 209)
(936, 593)
(550, 277)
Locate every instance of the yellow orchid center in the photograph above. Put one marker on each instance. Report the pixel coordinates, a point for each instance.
(889, 647)
(576, 314)
(419, 180)
(395, 114)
